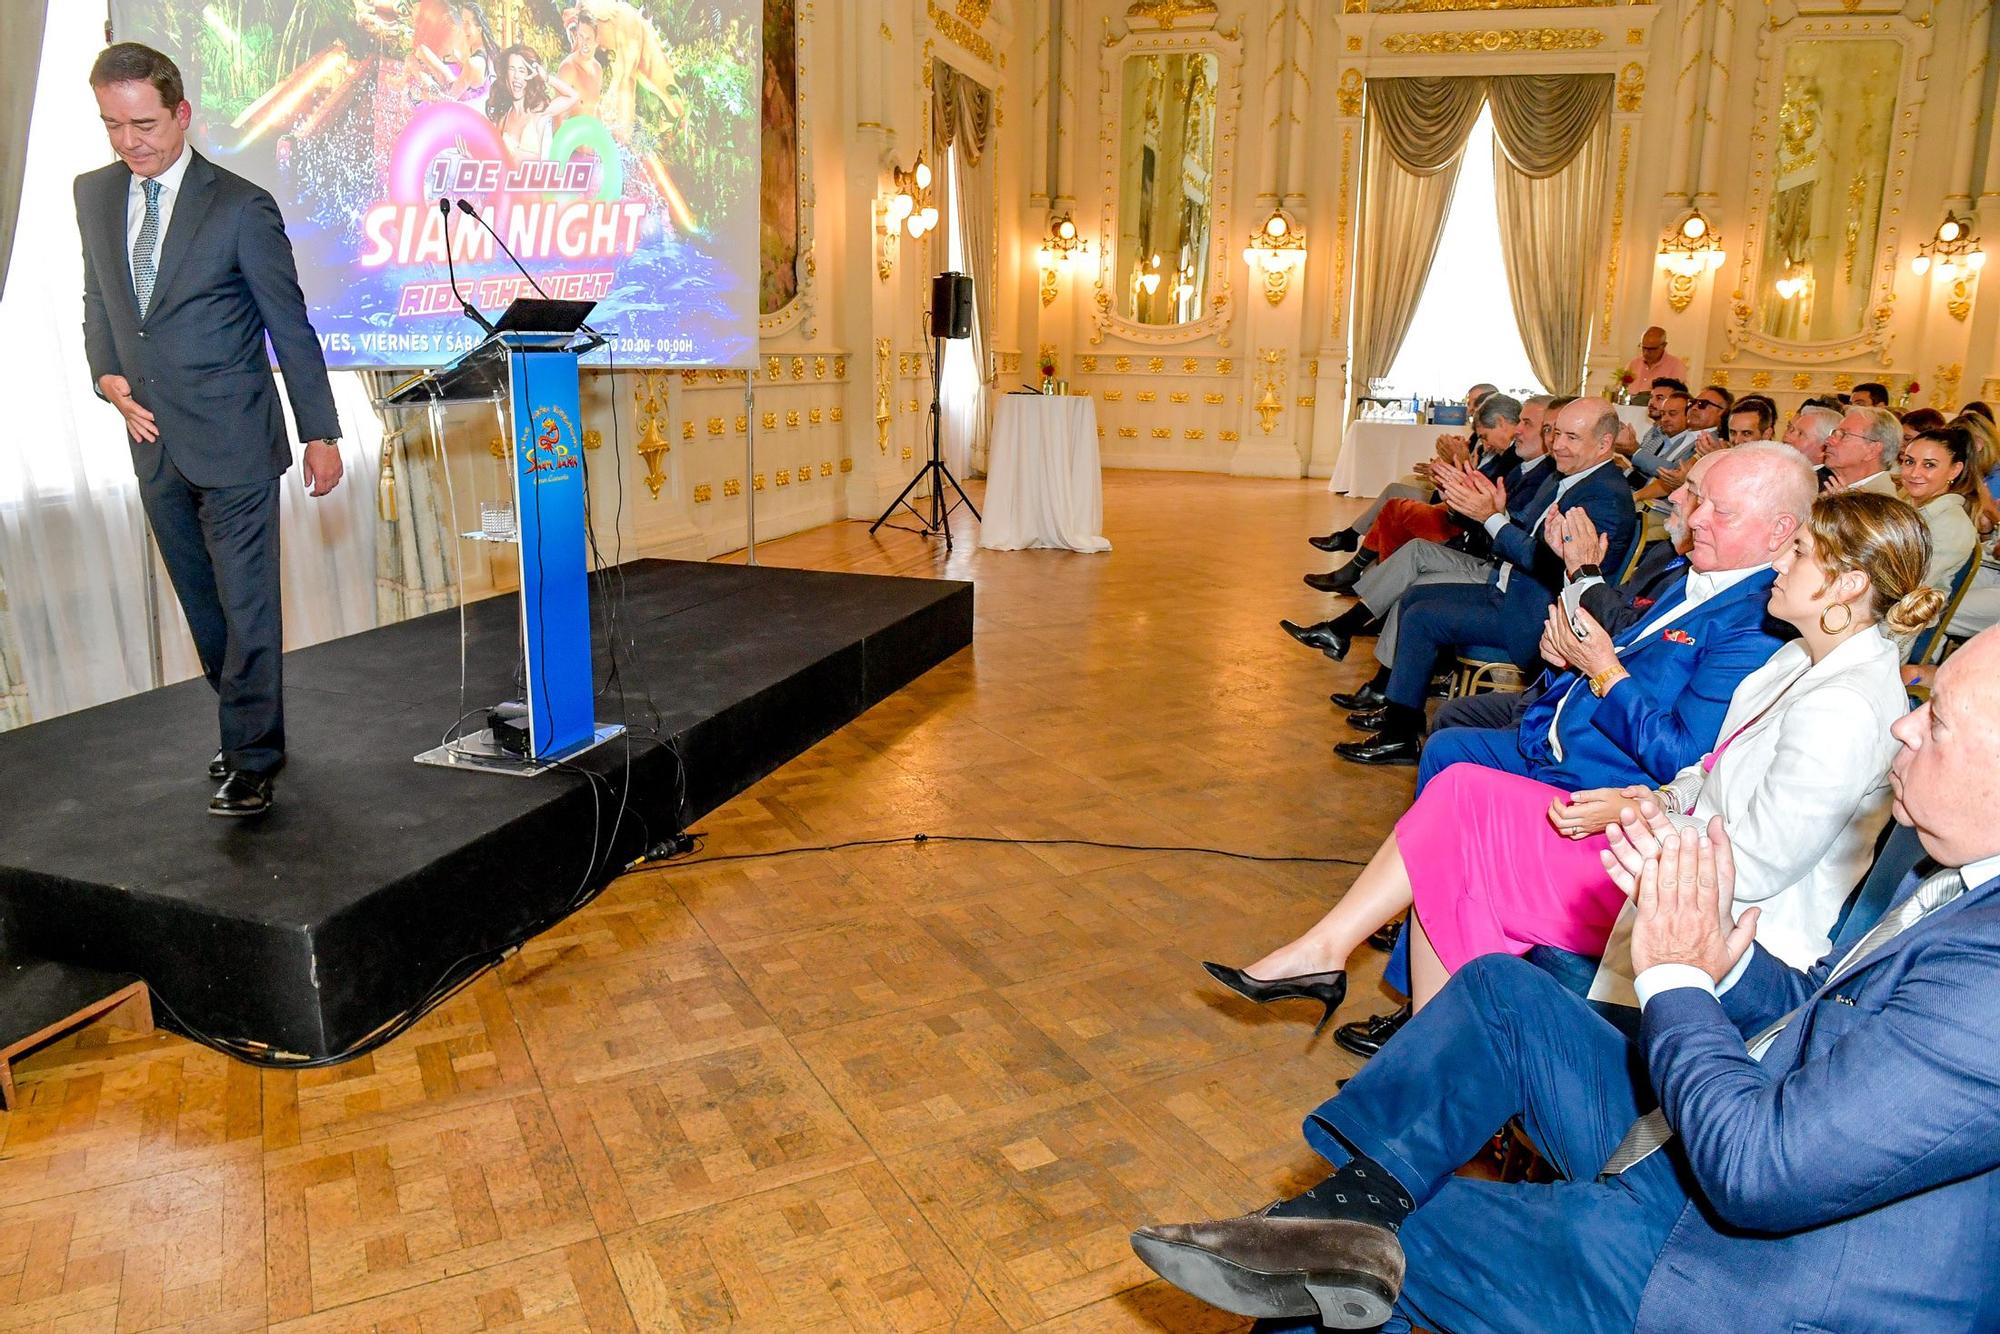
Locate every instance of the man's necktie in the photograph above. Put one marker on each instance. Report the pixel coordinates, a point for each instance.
(143, 268)
(1651, 1131)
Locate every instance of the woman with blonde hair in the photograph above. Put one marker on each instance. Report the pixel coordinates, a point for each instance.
(1495, 862)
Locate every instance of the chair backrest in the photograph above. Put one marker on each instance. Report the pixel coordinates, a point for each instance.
(1927, 647)
(1639, 545)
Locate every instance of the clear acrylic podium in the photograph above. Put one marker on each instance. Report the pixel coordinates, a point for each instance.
(530, 381)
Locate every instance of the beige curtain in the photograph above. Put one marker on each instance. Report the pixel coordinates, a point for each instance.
(1424, 122)
(1549, 166)
(20, 62)
(962, 112)
(413, 537)
(13, 684)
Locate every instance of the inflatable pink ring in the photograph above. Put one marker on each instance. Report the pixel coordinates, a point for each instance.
(434, 130)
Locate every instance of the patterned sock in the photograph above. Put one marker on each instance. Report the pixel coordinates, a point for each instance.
(1362, 1190)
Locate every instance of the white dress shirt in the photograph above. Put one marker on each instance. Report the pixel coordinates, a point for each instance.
(1700, 588)
(135, 204)
(1668, 976)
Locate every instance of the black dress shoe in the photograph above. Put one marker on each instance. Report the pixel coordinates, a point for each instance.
(1364, 1037)
(1369, 720)
(242, 793)
(1344, 540)
(1345, 1272)
(1335, 581)
(218, 768)
(1328, 641)
(1362, 700)
(1385, 939)
(1383, 748)
(1329, 989)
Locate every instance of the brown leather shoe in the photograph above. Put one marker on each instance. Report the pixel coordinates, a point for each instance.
(1345, 1272)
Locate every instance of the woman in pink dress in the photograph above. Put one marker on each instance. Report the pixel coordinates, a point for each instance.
(1492, 862)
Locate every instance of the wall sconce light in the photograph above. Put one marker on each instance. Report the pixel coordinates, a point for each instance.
(1796, 282)
(1954, 252)
(911, 206)
(1688, 251)
(1063, 246)
(1277, 250)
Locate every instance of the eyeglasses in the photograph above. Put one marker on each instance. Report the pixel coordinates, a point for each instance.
(1851, 435)
(1708, 403)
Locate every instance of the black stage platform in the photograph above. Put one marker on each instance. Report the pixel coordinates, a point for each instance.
(374, 877)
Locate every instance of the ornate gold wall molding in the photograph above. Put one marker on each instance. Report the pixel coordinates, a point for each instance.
(1631, 86)
(1492, 40)
(1349, 92)
(1617, 232)
(958, 31)
(1459, 6)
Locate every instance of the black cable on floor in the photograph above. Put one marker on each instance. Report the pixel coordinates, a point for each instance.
(646, 863)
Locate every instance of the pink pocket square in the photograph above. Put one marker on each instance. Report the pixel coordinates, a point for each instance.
(1678, 637)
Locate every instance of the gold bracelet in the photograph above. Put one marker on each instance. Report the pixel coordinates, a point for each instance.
(1601, 682)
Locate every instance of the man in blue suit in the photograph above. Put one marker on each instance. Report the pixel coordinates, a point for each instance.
(1509, 608)
(1782, 1150)
(1638, 706)
(186, 269)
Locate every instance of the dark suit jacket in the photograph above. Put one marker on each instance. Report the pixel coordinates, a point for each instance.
(1619, 607)
(224, 278)
(1667, 715)
(1849, 1180)
(1538, 573)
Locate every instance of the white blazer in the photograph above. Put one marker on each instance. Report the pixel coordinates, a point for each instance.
(1953, 536)
(1802, 791)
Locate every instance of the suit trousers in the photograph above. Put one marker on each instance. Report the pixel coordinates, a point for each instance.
(1414, 563)
(1572, 1256)
(220, 545)
(1434, 617)
(1488, 747)
(1492, 710)
(1404, 488)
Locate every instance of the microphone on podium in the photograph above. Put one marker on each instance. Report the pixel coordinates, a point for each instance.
(471, 311)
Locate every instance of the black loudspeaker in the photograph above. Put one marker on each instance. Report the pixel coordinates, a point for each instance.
(951, 306)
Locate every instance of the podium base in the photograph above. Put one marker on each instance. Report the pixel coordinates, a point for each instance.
(478, 751)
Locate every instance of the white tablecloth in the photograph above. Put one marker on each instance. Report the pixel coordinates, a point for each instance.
(1374, 454)
(1043, 488)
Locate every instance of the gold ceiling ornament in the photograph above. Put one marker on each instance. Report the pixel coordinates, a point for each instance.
(1166, 13)
(1492, 40)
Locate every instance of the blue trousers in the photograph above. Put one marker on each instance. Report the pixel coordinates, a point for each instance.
(1505, 1040)
(1435, 617)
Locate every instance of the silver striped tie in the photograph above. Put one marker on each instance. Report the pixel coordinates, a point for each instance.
(143, 268)
(1651, 1131)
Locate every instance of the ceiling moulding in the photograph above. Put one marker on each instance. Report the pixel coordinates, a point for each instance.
(1454, 6)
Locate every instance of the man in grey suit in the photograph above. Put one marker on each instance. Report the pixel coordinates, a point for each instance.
(186, 268)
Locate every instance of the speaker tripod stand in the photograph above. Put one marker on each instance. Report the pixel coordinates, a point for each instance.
(934, 469)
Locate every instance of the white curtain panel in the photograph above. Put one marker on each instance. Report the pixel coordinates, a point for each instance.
(71, 528)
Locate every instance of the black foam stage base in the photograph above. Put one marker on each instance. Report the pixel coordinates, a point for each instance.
(375, 877)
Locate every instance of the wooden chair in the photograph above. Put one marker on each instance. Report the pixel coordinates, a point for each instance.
(1928, 647)
(1484, 667)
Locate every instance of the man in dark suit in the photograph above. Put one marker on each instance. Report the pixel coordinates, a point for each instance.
(1782, 1149)
(1508, 610)
(185, 270)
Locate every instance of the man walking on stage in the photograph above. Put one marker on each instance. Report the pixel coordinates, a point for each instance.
(185, 269)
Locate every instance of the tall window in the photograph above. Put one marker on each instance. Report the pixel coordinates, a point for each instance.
(960, 393)
(1464, 330)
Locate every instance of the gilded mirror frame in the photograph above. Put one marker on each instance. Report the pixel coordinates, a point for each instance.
(799, 310)
(1741, 333)
(1227, 48)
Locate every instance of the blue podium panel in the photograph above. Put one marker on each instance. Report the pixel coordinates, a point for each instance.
(555, 594)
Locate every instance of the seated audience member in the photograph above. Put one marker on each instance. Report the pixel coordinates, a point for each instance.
(1920, 419)
(1869, 394)
(1810, 426)
(1979, 610)
(1414, 487)
(1497, 863)
(1704, 434)
(1938, 479)
(1467, 560)
(1863, 448)
(1752, 418)
(1630, 443)
(1507, 610)
(1781, 1150)
(1671, 442)
(1496, 426)
(1985, 466)
(1639, 706)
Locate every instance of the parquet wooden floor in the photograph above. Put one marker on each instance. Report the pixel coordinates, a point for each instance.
(913, 1087)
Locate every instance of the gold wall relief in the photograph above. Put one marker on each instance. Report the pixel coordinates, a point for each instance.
(1631, 86)
(1460, 6)
(1492, 40)
(1349, 91)
(703, 493)
(1617, 231)
(732, 487)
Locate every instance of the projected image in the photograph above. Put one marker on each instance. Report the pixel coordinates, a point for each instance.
(612, 144)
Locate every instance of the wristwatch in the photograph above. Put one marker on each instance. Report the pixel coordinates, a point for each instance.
(1592, 571)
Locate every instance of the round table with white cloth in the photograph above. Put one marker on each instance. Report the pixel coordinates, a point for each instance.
(1376, 453)
(1043, 487)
